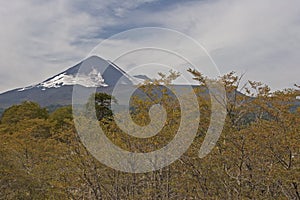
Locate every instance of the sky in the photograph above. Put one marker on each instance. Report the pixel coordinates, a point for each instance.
(260, 38)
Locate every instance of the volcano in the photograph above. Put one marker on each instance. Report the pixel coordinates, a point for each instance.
(57, 90)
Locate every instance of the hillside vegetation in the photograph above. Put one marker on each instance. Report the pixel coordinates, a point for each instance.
(256, 157)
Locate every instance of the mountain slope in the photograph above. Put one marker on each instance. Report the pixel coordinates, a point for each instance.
(92, 72)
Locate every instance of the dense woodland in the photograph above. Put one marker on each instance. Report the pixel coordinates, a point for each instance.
(257, 156)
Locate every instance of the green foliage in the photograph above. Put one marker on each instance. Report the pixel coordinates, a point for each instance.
(41, 156)
(26, 110)
(61, 116)
(101, 103)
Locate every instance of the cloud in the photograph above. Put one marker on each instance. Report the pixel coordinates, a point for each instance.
(35, 35)
(41, 38)
(261, 38)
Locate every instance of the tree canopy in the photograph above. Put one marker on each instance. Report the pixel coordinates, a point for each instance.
(256, 157)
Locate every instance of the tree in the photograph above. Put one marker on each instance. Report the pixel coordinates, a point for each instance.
(26, 110)
(61, 117)
(101, 102)
(256, 157)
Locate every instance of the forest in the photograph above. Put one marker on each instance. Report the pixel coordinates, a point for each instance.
(256, 157)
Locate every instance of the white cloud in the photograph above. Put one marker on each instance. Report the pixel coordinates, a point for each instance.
(36, 35)
(261, 38)
(39, 39)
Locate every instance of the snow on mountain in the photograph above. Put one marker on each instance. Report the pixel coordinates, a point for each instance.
(92, 72)
(93, 79)
(96, 72)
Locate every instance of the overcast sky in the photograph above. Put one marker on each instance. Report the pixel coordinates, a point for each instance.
(258, 37)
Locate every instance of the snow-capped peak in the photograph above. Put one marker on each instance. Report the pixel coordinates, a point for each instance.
(93, 79)
(95, 72)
